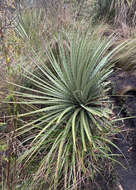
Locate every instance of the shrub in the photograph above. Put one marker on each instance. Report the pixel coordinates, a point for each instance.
(67, 130)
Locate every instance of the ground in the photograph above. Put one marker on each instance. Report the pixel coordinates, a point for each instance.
(126, 140)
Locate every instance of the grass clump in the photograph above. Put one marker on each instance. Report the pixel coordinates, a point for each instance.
(102, 10)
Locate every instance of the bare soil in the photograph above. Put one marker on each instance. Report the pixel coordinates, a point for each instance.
(125, 106)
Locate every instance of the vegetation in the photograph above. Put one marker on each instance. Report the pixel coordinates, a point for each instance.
(114, 12)
(57, 122)
(72, 112)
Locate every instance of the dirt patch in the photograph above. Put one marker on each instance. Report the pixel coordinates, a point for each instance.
(124, 89)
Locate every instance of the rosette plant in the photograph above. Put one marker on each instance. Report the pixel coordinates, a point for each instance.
(67, 120)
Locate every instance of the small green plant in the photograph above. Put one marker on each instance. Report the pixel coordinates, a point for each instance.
(29, 25)
(35, 25)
